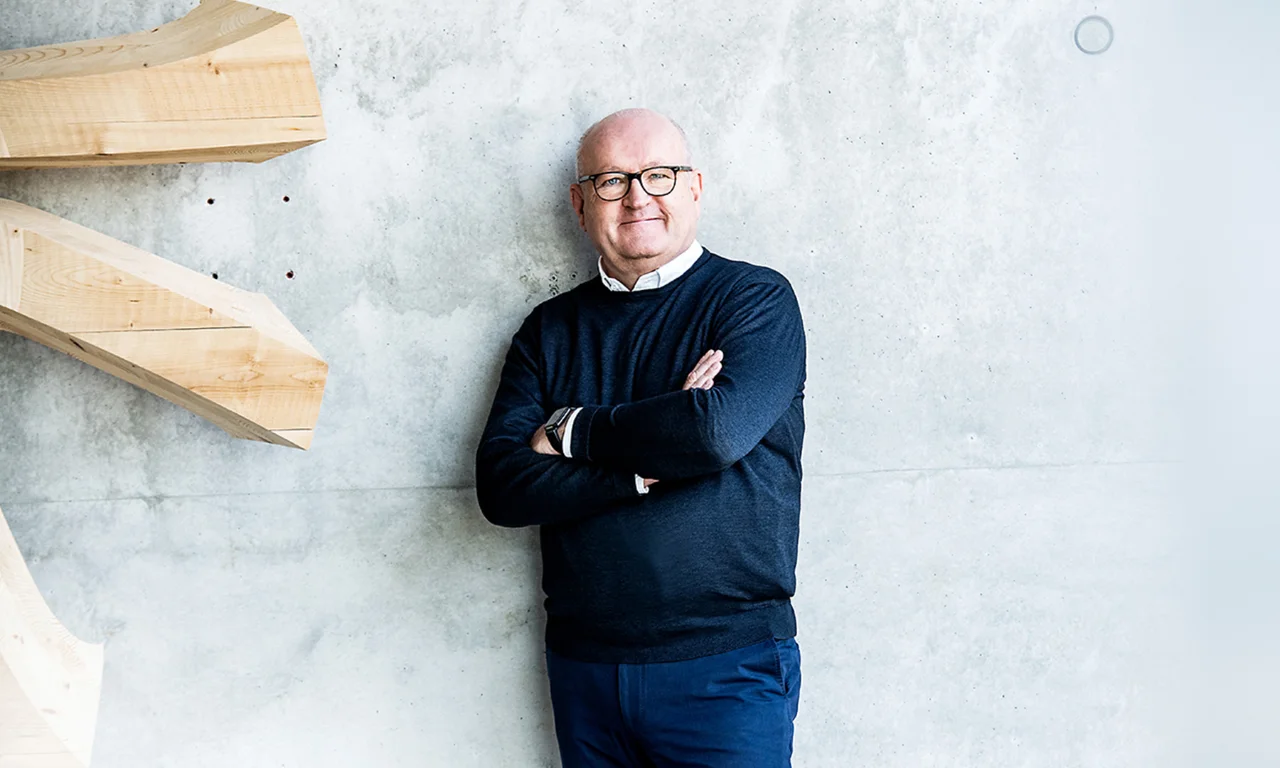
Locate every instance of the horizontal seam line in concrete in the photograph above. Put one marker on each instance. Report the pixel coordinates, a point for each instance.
(389, 489)
(998, 467)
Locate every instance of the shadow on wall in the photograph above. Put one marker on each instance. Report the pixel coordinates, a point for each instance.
(584, 253)
(575, 256)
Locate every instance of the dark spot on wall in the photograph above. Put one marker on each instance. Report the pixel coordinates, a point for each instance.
(286, 198)
(209, 201)
(289, 274)
(215, 275)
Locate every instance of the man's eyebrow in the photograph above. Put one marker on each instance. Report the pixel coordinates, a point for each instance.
(648, 164)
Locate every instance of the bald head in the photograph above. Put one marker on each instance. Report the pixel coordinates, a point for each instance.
(636, 120)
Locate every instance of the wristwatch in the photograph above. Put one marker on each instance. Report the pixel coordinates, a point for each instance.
(553, 425)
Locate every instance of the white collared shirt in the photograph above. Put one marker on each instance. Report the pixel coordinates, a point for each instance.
(664, 275)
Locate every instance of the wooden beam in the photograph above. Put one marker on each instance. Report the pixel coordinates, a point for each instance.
(11, 260)
(225, 354)
(50, 682)
(227, 82)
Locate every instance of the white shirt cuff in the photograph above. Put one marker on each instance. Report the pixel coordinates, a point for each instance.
(641, 488)
(567, 441)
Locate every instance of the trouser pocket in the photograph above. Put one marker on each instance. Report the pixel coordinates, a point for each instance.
(787, 655)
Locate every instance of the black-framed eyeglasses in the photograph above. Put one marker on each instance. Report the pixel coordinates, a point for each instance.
(615, 185)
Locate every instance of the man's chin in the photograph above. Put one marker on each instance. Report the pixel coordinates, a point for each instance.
(641, 256)
(646, 252)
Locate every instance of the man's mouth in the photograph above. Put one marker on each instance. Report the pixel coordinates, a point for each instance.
(641, 221)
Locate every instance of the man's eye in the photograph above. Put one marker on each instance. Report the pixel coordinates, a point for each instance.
(609, 181)
(663, 175)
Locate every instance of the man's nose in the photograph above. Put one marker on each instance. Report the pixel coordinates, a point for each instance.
(636, 197)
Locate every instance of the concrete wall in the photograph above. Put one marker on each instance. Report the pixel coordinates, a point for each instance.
(963, 202)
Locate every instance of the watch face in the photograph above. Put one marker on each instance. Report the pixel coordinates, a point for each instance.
(552, 427)
(558, 417)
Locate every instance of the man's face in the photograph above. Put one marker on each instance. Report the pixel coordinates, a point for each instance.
(638, 233)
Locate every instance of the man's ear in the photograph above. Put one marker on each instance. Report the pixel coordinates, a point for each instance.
(696, 185)
(579, 205)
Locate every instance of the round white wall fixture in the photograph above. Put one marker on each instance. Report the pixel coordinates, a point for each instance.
(1094, 35)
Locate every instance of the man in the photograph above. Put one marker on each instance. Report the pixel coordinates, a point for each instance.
(650, 421)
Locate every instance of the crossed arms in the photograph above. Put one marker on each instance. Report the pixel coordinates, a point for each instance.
(703, 376)
(718, 416)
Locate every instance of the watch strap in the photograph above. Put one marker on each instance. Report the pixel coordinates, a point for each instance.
(552, 428)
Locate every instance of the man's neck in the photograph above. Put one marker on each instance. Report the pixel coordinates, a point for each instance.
(633, 269)
(636, 269)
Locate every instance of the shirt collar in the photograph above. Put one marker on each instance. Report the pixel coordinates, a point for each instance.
(663, 275)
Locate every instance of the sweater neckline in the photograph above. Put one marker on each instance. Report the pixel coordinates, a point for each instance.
(605, 295)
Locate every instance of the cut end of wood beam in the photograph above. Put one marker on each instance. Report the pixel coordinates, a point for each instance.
(296, 438)
(228, 82)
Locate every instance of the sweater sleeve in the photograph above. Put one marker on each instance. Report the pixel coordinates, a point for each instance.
(695, 432)
(515, 485)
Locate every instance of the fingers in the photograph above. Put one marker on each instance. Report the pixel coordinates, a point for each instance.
(709, 379)
(703, 374)
(699, 366)
(708, 367)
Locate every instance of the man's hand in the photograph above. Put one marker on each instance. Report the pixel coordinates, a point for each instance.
(541, 444)
(703, 375)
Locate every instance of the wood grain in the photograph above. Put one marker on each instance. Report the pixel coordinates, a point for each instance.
(227, 82)
(12, 258)
(78, 293)
(225, 354)
(50, 682)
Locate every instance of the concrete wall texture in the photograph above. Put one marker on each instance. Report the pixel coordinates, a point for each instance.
(960, 197)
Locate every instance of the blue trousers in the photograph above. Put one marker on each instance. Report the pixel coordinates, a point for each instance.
(731, 709)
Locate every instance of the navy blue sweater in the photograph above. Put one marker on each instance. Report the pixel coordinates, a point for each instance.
(705, 562)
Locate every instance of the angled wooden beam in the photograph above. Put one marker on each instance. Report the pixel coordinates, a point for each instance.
(50, 682)
(227, 82)
(223, 353)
